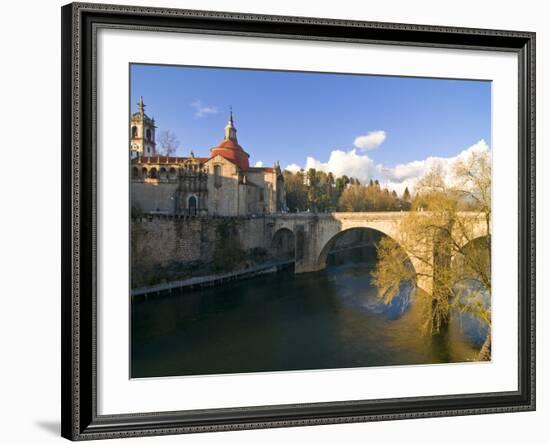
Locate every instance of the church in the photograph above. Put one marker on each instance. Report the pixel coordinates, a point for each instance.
(221, 184)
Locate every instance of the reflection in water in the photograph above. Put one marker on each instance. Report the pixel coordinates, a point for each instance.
(473, 294)
(283, 321)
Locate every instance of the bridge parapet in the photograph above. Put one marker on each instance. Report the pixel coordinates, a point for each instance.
(316, 232)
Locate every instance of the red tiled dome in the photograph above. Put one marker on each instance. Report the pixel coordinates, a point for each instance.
(233, 152)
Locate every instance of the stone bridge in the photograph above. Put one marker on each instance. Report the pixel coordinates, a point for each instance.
(315, 235)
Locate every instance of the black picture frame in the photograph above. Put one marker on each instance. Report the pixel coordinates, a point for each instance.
(79, 385)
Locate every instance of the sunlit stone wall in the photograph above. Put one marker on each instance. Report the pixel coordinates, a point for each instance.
(159, 240)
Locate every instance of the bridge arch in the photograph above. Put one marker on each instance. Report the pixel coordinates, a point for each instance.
(283, 243)
(474, 290)
(313, 233)
(364, 237)
(483, 240)
(478, 252)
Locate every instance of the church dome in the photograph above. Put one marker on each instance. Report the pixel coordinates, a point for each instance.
(230, 149)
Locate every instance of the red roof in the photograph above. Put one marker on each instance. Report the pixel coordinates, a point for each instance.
(168, 159)
(228, 149)
(230, 144)
(233, 152)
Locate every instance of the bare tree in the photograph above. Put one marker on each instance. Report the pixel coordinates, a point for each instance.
(450, 231)
(168, 143)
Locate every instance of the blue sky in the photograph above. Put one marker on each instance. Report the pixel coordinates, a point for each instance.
(293, 116)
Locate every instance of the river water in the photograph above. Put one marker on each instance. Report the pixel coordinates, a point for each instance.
(283, 321)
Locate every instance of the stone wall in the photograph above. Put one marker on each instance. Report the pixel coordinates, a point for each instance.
(157, 241)
(148, 197)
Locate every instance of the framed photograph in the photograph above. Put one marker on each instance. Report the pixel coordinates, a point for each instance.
(280, 221)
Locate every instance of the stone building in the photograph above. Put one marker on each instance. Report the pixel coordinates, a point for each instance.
(222, 184)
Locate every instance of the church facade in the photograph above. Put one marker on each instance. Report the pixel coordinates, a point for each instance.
(221, 184)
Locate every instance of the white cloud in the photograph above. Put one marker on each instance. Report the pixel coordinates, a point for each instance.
(369, 141)
(293, 168)
(405, 171)
(259, 164)
(350, 163)
(398, 177)
(407, 174)
(202, 110)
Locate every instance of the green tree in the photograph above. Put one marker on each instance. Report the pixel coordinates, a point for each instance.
(295, 190)
(406, 195)
(353, 199)
(345, 180)
(331, 191)
(320, 192)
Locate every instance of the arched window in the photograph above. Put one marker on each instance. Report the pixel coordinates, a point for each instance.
(153, 173)
(192, 205)
(217, 175)
(134, 132)
(172, 174)
(163, 174)
(144, 172)
(148, 134)
(135, 173)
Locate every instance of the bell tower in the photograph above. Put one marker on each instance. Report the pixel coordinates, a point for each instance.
(142, 133)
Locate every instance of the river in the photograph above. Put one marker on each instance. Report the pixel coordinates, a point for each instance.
(282, 321)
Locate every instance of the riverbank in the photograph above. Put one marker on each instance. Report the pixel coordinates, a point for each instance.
(212, 280)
